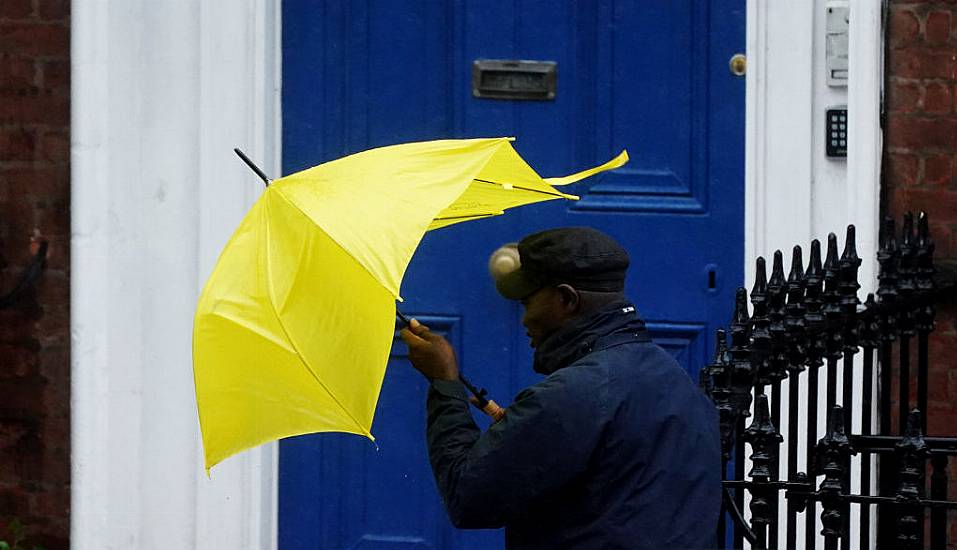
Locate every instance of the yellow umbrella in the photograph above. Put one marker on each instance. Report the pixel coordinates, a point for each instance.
(293, 329)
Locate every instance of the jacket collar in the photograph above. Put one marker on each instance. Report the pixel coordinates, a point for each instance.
(617, 323)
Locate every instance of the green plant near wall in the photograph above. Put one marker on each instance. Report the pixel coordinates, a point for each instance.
(18, 532)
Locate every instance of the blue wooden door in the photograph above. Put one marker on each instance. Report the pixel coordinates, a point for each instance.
(647, 75)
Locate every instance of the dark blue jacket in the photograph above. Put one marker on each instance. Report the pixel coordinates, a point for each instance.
(615, 448)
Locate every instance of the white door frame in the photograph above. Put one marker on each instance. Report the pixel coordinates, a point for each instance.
(162, 92)
(793, 192)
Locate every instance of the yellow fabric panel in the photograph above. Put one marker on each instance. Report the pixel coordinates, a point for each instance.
(340, 318)
(616, 162)
(377, 204)
(507, 167)
(271, 358)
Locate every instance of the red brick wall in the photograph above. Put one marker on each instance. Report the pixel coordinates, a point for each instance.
(34, 333)
(920, 169)
(920, 158)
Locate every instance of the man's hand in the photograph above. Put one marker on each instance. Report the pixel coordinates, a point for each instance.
(429, 353)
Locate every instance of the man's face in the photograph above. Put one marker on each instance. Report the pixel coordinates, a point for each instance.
(544, 314)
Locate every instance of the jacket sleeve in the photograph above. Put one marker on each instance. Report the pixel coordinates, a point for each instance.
(485, 479)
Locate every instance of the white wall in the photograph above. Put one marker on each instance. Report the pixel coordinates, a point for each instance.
(794, 193)
(162, 92)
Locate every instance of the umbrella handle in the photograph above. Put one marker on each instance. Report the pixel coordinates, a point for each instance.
(493, 410)
(484, 404)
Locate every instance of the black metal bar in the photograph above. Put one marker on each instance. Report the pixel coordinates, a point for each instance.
(790, 346)
(906, 288)
(926, 503)
(938, 491)
(912, 455)
(888, 258)
(743, 381)
(722, 532)
(810, 517)
(738, 503)
(870, 339)
(903, 394)
(885, 443)
(866, 404)
(792, 343)
(775, 465)
(814, 327)
(793, 396)
(884, 366)
(831, 383)
(765, 440)
(834, 454)
(922, 373)
(262, 175)
(740, 526)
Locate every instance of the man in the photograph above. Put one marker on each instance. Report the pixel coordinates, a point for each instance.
(615, 448)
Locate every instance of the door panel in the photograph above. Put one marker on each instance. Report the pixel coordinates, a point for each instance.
(649, 76)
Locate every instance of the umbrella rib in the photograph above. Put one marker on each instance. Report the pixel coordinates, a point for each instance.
(302, 359)
(520, 187)
(467, 216)
(313, 373)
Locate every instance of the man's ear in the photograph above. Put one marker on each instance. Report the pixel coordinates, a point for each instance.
(571, 299)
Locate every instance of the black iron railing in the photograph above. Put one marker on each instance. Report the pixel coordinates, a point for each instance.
(800, 324)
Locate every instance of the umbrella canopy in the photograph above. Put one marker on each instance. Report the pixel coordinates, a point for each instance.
(293, 329)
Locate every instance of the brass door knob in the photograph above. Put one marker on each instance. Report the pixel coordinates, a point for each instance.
(738, 64)
(504, 261)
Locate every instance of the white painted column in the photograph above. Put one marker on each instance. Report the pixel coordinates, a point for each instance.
(793, 192)
(162, 92)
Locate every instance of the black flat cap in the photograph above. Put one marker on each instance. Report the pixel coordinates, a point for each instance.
(582, 257)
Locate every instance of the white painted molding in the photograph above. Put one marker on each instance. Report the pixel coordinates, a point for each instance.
(793, 192)
(865, 147)
(162, 92)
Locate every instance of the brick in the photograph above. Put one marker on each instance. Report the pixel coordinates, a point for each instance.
(910, 132)
(35, 107)
(55, 147)
(946, 321)
(17, 143)
(903, 28)
(18, 361)
(938, 98)
(34, 182)
(17, 327)
(17, 72)
(937, 28)
(58, 253)
(901, 169)
(938, 170)
(943, 237)
(53, 288)
(22, 398)
(56, 75)
(53, 219)
(938, 204)
(903, 96)
(942, 420)
(11, 433)
(51, 10)
(16, 9)
(13, 501)
(923, 63)
(37, 39)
